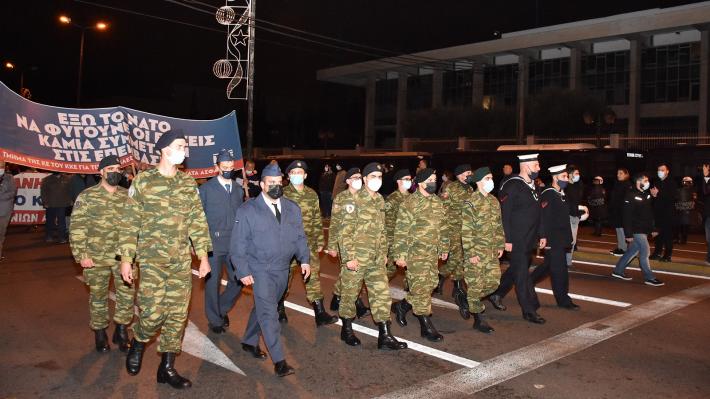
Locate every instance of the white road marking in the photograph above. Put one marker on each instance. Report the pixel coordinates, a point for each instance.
(465, 382)
(588, 298)
(675, 248)
(196, 343)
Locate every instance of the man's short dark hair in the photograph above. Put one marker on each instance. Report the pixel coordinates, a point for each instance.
(571, 168)
(639, 176)
(664, 164)
(626, 171)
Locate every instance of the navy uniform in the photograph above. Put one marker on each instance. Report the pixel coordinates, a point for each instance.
(268, 233)
(558, 232)
(522, 225)
(220, 197)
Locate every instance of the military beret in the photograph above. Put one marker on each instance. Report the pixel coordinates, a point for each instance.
(401, 173)
(167, 138)
(371, 168)
(271, 170)
(424, 174)
(461, 169)
(297, 164)
(480, 173)
(351, 172)
(109, 161)
(224, 156)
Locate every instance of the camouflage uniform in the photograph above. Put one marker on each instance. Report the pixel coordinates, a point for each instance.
(482, 235)
(458, 193)
(392, 204)
(307, 200)
(94, 235)
(361, 235)
(340, 202)
(163, 214)
(420, 238)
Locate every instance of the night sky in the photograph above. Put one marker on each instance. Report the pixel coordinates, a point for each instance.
(166, 68)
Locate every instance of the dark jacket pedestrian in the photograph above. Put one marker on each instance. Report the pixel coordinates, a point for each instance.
(596, 199)
(8, 191)
(684, 207)
(325, 188)
(665, 193)
(56, 195)
(616, 202)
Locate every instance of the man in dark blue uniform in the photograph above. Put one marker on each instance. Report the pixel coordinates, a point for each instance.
(522, 225)
(220, 198)
(558, 232)
(268, 233)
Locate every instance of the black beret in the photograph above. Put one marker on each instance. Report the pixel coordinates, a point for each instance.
(167, 138)
(351, 172)
(109, 161)
(297, 164)
(480, 173)
(401, 173)
(371, 167)
(462, 168)
(424, 174)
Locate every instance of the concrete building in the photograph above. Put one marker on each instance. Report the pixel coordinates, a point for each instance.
(651, 67)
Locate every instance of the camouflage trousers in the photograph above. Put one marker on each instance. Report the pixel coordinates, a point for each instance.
(374, 274)
(482, 279)
(455, 263)
(313, 289)
(98, 279)
(163, 298)
(422, 279)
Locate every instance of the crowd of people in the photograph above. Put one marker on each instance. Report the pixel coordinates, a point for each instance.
(262, 229)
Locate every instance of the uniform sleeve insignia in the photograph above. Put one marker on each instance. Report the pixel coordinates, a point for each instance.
(131, 192)
(469, 203)
(544, 204)
(349, 208)
(503, 198)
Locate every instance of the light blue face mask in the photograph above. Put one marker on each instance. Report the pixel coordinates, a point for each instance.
(575, 178)
(661, 175)
(296, 179)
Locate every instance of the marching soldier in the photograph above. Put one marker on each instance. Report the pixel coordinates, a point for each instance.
(92, 236)
(559, 237)
(162, 216)
(307, 199)
(420, 240)
(521, 215)
(458, 191)
(362, 243)
(483, 243)
(343, 201)
(403, 179)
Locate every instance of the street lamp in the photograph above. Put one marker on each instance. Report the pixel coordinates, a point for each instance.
(10, 66)
(99, 26)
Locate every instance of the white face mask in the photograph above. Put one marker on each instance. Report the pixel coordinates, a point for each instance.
(575, 178)
(407, 184)
(356, 185)
(646, 186)
(2, 172)
(176, 157)
(444, 178)
(374, 184)
(488, 185)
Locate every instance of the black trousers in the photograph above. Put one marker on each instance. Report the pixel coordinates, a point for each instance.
(555, 265)
(518, 274)
(664, 240)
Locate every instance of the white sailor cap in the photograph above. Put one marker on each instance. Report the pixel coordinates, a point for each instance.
(558, 169)
(528, 157)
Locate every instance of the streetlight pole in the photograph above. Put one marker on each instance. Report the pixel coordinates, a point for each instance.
(100, 26)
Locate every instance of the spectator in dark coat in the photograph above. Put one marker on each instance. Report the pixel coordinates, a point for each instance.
(616, 209)
(56, 195)
(596, 200)
(664, 193)
(325, 187)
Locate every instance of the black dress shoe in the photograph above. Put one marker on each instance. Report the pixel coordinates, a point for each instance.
(120, 337)
(225, 321)
(218, 329)
(282, 369)
(570, 306)
(281, 308)
(255, 351)
(479, 323)
(101, 341)
(168, 374)
(497, 302)
(533, 318)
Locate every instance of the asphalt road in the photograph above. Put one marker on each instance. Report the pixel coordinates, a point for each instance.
(628, 340)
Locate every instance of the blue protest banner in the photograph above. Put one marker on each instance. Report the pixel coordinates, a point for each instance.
(75, 140)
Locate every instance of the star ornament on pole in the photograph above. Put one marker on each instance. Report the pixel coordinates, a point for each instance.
(235, 66)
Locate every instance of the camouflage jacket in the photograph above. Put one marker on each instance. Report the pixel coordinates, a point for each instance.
(458, 193)
(422, 229)
(163, 214)
(361, 231)
(307, 200)
(481, 225)
(93, 231)
(336, 217)
(392, 204)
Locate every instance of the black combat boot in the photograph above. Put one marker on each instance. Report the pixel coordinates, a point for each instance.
(386, 340)
(346, 333)
(479, 323)
(360, 309)
(120, 337)
(168, 374)
(400, 310)
(335, 303)
(440, 286)
(101, 341)
(428, 330)
(322, 318)
(282, 311)
(134, 359)
(497, 302)
(461, 299)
